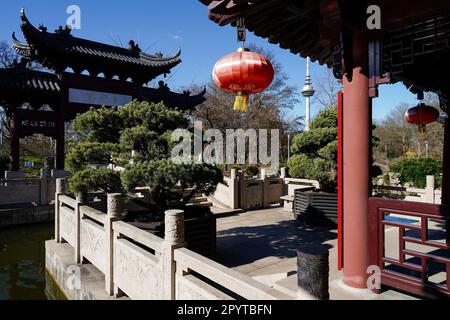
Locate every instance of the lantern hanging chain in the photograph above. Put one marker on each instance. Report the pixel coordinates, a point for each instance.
(241, 31)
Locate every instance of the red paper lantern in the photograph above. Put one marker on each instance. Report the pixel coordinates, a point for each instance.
(243, 73)
(421, 116)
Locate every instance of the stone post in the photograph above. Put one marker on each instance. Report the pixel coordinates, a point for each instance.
(430, 189)
(174, 238)
(283, 174)
(265, 186)
(44, 187)
(115, 210)
(60, 190)
(234, 190)
(313, 272)
(242, 191)
(263, 173)
(81, 200)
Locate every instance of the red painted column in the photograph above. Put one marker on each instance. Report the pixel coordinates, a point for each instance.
(446, 164)
(14, 146)
(356, 167)
(446, 174)
(60, 144)
(60, 126)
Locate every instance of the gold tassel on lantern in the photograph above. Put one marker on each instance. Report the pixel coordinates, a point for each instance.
(241, 103)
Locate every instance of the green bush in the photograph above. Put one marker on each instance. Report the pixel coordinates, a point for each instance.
(136, 137)
(251, 171)
(315, 152)
(35, 171)
(96, 179)
(415, 170)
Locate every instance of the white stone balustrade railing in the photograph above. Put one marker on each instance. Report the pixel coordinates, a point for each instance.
(239, 192)
(139, 264)
(190, 287)
(428, 195)
(39, 191)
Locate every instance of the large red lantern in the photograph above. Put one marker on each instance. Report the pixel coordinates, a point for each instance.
(243, 73)
(421, 116)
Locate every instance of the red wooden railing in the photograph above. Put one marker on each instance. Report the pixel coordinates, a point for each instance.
(405, 273)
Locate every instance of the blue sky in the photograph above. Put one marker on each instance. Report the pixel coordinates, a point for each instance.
(165, 26)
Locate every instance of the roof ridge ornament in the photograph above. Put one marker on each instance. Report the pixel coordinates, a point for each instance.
(134, 47)
(42, 28)
(21, 64)
(64, 31)
(241, 30)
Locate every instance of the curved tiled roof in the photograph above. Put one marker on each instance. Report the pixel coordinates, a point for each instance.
(181, 101)
(23, 81)
(27, 80)
(60, 50)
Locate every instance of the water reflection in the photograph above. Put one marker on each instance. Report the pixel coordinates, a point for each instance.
(22, 262)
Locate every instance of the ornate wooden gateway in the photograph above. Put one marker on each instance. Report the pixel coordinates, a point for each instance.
(412, 46)
(39, 102)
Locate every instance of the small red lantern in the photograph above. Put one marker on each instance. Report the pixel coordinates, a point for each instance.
(243, 73)
(421, 116)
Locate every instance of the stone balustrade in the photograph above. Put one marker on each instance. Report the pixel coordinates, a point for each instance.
(20, 190)
(428, 195)
(239, 192)
(138, 264)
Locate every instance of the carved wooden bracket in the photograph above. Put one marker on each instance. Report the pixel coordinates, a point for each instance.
(376, 75)
(343, 57)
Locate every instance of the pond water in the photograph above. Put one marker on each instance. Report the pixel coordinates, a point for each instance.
(22, 262)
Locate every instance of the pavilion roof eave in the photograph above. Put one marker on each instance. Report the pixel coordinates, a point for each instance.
(20, 47)
(259, 21)
(19, 80)
(182, 101)
(410, 43)
(29, 80)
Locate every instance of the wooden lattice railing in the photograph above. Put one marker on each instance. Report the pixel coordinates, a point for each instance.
(419, 232)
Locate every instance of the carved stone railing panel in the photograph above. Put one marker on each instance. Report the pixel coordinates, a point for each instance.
(93, 245)
(67, 225)
(240, 284)
(137, 272)
(190, 288)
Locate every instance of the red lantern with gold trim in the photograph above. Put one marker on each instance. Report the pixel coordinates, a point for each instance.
(421, 116)
(243, 73)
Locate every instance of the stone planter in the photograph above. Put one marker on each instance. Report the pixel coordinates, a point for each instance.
(316, 208)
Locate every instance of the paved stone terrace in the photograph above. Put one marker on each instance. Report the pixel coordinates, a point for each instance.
(262, 244)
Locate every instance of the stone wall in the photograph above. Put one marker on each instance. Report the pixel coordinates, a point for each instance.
(17, 217)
